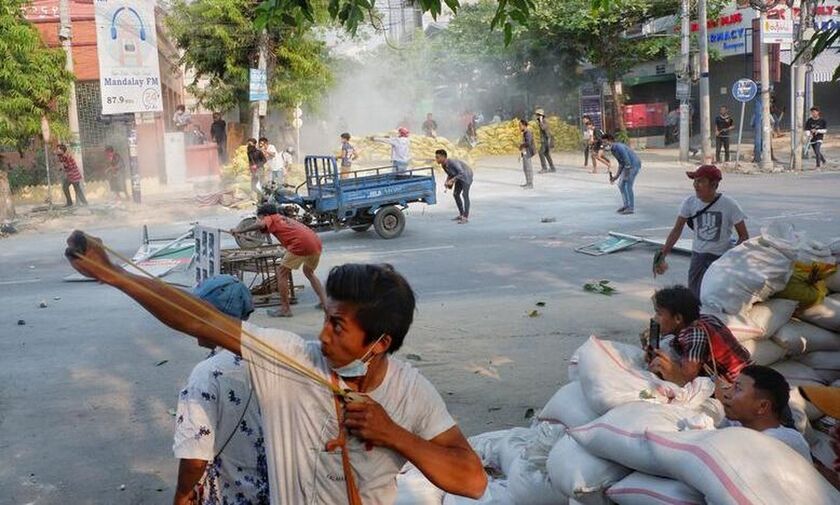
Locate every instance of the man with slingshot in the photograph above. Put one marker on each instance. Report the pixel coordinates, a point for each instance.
(312, 395)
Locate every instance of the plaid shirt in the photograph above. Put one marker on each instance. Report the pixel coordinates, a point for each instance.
(71, 170)
(692, 344)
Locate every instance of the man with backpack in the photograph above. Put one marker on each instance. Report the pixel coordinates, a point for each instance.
(712, 216)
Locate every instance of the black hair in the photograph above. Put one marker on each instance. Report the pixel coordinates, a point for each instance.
(815, 109)
(586, 116)
(523, 121)
(62, 148)
(609, 137)
(181, 107)
(266, 209)
(678, 300)
(251, 139)
(263, 139)
(109, 148)
(383, 299)
(442, 152)
(345, 136)
(772, 385)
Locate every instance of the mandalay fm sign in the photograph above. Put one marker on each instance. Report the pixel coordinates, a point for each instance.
(126, 41)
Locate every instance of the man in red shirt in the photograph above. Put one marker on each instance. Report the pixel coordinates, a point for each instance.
(303, 248)
(703, 345)
(72, 176)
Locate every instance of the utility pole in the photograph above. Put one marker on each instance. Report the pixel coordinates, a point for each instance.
(65, 35)
(705, 114)
(766, 127)
(685, 80)
(803, 33)
(261, 107)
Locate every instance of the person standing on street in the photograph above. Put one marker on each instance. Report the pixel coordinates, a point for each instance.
(72, 176)
(712, 216)
(303, 249)
(256, 162)
(459, 179)
(546, 163)
(115, 172)
(218, 430)
(181, 119)
(629, 166)
(527, 150)
(348, 154)
(817, 127)
(723, 125)
(430, 126)
(400, 149)
(587, 141)
(272, 158)
(218, 134)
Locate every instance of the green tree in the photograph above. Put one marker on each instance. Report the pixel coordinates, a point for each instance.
(596, 35)
(33, 80)
(220, 41)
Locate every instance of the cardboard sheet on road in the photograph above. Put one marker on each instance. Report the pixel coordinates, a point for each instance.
(621, 241)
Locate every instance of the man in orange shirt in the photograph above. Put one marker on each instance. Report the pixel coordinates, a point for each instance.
(303, 248)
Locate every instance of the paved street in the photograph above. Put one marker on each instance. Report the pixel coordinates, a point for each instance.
(84, 409)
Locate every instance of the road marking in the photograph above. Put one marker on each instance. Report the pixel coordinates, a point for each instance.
(793, 214)
(421, 249)
(465, 291)
(22, 281)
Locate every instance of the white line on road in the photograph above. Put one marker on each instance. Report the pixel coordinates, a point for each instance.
(465, 291)
(793, 214)
(421, 249)
(22, 281)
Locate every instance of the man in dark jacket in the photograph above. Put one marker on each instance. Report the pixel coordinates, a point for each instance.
(527, 151)
(459, 178)
(218, 134)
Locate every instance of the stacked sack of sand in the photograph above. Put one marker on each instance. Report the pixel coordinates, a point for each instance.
(779, 293)
(422, 149)
(619, 434)
(505, 137)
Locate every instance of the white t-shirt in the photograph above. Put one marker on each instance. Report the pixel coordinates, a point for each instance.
(299, 419)
(274, 161)
(400, 147)
(211, 407)
(713, 228)
(788, 436)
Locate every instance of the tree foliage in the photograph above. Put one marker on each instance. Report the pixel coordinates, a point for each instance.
(220, 41)
(33, 80)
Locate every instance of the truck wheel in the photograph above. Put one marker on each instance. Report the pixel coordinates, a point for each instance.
(389, 222)
(361, 227)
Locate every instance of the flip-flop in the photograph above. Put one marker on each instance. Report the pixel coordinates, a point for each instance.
(278, 313)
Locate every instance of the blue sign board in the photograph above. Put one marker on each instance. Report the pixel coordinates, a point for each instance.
(258, 89)
(744, 90)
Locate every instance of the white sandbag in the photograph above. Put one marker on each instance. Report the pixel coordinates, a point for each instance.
(612, 374)
(812, 251)
(772, 315)
(499, 449)
(750, 272)
(642, 489)
(799, 337)
(742, 327)
(802, 409)
(825, 315)
(821, 360)
(833, 282)
(737, 466)
(618, 435)
(413, 488)
(576, 473)
(529, 485)
(796, 373)
(568, 406)
(764, 352)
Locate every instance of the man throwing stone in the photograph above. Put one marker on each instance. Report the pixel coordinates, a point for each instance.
(303, 248)
(459, 177)
(323, 449)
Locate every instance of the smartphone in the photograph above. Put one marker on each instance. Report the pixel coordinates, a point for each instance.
(654, 334)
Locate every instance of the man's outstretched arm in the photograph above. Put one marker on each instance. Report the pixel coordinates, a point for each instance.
(173, 307)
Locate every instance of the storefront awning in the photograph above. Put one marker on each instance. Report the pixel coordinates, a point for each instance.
(645, 79)
(823, 66)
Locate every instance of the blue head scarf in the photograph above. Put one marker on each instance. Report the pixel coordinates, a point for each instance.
(228, 294)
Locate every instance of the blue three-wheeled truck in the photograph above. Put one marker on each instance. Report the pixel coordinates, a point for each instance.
(357, 199)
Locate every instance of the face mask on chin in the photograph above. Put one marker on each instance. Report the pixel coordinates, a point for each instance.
(358, 367)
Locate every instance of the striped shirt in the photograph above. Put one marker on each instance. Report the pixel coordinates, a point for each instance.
(71, 170)
(727, 353)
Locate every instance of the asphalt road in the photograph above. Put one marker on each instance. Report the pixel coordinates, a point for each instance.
(84, 409)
